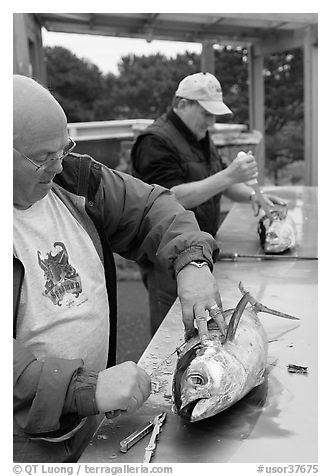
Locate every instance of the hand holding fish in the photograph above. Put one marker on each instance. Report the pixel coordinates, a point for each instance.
(198, 292)
(271, 200)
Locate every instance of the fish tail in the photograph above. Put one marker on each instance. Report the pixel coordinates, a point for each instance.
(262, 308)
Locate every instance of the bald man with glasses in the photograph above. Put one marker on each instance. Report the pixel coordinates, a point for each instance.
(70, 214)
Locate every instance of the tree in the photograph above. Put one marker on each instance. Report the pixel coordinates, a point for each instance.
(231, 70)
(105, 107)
(284, 108)
(76, 83)
(146, 84)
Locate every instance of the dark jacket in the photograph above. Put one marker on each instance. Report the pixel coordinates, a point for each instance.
(123, 215)
(168, 153)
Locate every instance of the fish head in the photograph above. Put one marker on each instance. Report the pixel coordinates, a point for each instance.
(209, 382)
(278, 237)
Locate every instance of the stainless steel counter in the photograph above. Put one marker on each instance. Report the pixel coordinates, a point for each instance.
(276, 422)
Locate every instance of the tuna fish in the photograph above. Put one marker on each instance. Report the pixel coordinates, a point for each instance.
(277, 235)
(213, 375)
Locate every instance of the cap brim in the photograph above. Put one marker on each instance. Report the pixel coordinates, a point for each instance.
(215, 107)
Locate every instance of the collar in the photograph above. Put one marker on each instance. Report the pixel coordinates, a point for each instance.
(184, 130)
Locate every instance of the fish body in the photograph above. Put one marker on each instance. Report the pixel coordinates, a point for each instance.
(277, 235)
(213, 375)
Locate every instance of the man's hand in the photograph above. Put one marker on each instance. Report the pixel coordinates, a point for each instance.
(198, 292)
(272, 200)
(122, 387)
(242, 169)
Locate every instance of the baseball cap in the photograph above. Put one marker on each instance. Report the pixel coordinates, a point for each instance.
(206, 90)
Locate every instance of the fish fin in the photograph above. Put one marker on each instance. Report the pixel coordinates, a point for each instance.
(235, 318)
(260, 377)
(258, 307)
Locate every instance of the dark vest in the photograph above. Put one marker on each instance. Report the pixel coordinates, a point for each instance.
(194, 165)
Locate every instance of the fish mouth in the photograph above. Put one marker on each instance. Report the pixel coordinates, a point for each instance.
(196, 410)
(187, 410)
(275, 247)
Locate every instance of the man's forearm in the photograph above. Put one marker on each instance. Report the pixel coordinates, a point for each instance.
(239, 192)
(192, 194)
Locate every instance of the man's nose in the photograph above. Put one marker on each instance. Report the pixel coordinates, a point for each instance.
(211, 120)
(55, 166)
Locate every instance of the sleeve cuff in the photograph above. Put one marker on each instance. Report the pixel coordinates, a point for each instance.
(84, 392)
(191, 254)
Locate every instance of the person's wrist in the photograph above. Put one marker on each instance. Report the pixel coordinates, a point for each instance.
(194, 264)
(198, 263)
(193, 253)
(227, 177)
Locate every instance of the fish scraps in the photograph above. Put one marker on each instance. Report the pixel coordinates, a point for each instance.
(297, 369)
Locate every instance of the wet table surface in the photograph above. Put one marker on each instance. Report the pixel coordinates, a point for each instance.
(275, 422)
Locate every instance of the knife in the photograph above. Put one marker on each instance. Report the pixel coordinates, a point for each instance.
(255, 186)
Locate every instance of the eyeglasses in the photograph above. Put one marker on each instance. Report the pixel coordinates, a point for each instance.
(66, 151)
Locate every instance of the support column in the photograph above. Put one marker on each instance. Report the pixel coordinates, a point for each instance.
(28, 48)
(256, 105)
(20, 46)
(207, 57)
(310, 70)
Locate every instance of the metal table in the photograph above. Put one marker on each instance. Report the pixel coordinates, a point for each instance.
(277, 421)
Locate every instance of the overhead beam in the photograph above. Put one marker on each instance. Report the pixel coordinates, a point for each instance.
(270, 17)
(164, 31)
(192, 28)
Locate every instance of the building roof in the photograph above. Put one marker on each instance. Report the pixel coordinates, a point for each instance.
(235, 28)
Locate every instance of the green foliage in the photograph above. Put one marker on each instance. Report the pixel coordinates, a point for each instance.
(283, 109)
(231, 70)
(146, 84)
(76, 83)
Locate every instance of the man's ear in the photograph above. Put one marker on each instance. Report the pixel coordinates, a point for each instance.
(182, 103)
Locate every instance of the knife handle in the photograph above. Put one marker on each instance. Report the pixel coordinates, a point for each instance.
(113, 414)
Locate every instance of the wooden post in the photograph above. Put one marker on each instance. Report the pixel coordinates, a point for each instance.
(256, 105)
(207, 57)
(310, 68)
(28, 49)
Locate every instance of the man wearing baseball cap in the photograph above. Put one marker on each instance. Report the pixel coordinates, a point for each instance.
(206, 90)
(177, 153)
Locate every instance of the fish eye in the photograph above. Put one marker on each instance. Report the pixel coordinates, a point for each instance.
(271, 235)
(196, 379)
